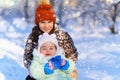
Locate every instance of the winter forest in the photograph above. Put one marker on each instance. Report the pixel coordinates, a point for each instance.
(93, 24)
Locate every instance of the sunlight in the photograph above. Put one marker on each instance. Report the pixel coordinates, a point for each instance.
(8, 3)
(2, 77)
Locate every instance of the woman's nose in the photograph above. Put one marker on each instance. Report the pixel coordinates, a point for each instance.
(45, 24)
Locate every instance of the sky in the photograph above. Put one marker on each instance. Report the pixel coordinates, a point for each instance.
(98, 49)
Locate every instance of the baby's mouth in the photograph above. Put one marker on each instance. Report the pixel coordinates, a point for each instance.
(47, 54)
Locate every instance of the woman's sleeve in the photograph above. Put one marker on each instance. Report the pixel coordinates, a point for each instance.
(37, 69)
(31, 43)
(69, 47)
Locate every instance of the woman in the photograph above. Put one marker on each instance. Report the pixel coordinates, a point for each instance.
(45, 21)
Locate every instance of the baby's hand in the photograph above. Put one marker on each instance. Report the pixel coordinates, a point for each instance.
(48, 69)
(64, 65)
(63, 62)
(51, 66)
(55, 62)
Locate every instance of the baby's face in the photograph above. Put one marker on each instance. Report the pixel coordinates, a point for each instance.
(48, 49)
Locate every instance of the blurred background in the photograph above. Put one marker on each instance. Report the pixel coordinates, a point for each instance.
(93, 24)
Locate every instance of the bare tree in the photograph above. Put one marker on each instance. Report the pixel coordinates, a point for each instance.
(112, 28)
(29, 8)
(52, 2)
(25, 9)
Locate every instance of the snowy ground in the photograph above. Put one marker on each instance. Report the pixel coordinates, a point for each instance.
(98, 58)
(98, 54)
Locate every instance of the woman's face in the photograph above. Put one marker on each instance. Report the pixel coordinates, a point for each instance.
(46, 25)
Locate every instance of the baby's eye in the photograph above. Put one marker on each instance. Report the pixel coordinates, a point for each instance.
(43, 48)
(51, 48)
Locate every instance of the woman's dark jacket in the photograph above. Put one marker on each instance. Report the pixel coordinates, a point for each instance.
(64, 41)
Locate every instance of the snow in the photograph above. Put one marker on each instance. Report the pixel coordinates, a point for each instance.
(98, 48)
(98, 54)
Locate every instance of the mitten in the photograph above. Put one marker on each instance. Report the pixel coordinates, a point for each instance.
(64, 65)
(59, 59)
(56, 62)
(48, 69)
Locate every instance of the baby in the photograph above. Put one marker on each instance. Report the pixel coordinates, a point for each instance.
(49, 62)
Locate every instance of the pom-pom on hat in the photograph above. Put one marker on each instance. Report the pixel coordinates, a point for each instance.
(47, 38)
(44, 11)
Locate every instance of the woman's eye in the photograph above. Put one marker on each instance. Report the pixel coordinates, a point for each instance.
(49, 21)
(42, 22)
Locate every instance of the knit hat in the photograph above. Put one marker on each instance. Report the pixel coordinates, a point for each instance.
(44, 11)
(47, 38)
